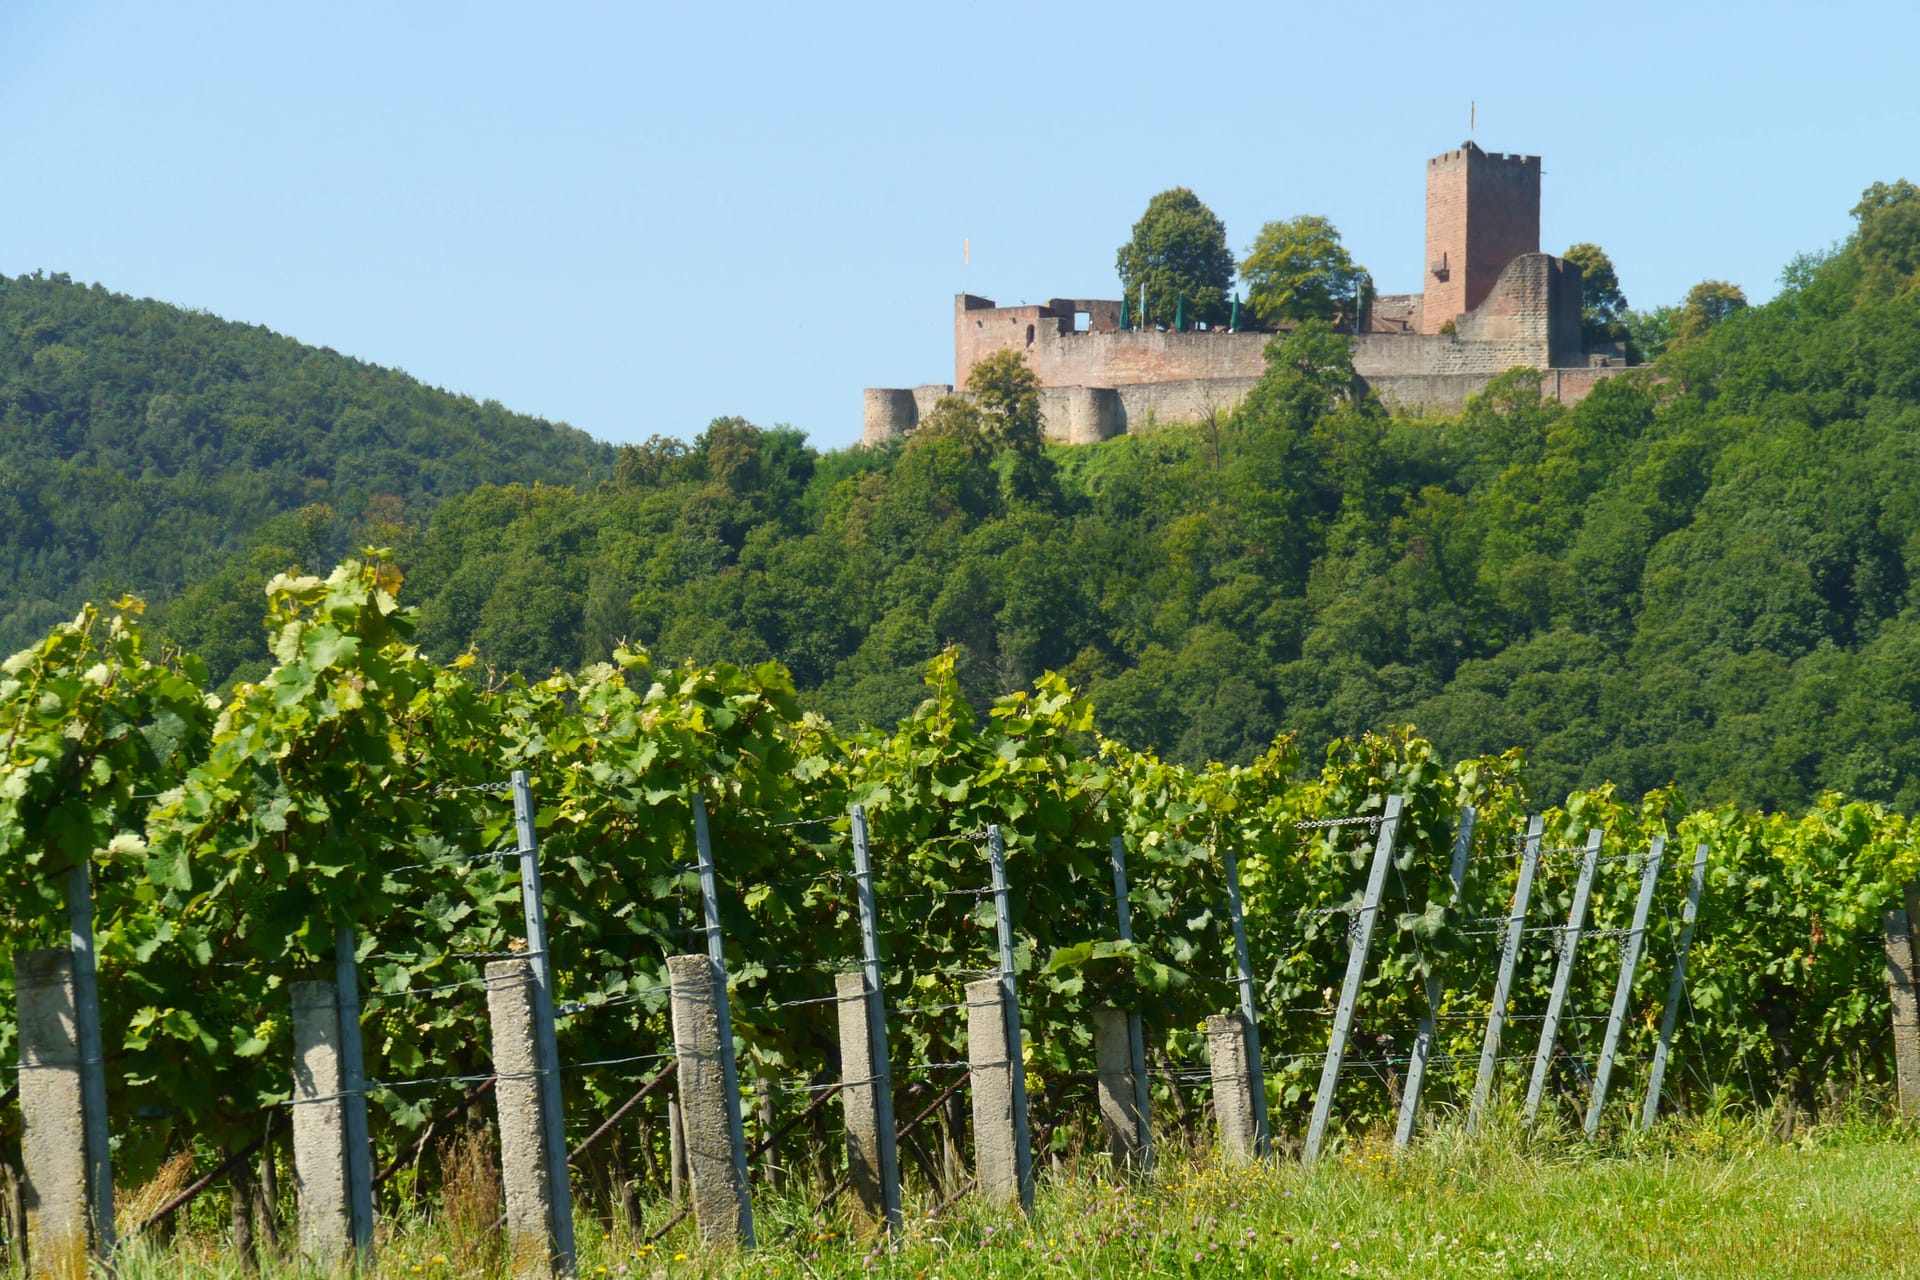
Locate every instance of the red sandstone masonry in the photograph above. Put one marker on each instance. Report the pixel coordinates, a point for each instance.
(1483, 211)
(1503, 303)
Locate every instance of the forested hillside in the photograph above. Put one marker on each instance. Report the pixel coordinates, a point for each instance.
(142, 447)
(1707, 578)
(1706, 575)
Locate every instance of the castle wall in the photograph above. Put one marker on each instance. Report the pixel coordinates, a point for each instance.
(887, 413)
(1444, 393)
(890, 413)
(927, 396)
(1146, 405)
(1103, 314)
(1102, 357)
(1394, 313)
(1531, 318)
(1087, 415)
(1082, 415)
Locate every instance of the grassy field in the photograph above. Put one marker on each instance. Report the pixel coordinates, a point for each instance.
(1708, 1199)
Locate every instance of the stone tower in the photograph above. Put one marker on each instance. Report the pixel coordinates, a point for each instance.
(1483, 211)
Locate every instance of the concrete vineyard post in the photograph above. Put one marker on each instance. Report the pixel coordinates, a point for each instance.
(93, 1071)
(1905, 1010)
(1230, 1056)
(545, 1045)
(709, 1102)
(526, 1173)
(1002, 1170)
(53, 1149)
(320, 1127)
(1249, 1012)
(857, 1094)
(1016, 1067)
(353, 1092)
(723, 1012)
(1114, 1079)
(870, 1109)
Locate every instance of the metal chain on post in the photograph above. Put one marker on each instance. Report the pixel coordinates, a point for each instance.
(729, 1068)
(1017, 1067)
(353, 1089)
(1362, 943)
(1249, 1015)
(1136, 1034)
(1568, 950)
(1657, 1073)
(884, 1136)
(1623, 989)
(546, 1046)
(93, 1071)
(1503, 983)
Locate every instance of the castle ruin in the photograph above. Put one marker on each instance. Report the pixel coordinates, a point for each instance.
(1492, 302)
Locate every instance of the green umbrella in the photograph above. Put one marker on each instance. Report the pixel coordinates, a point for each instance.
(1234, 322)
(1180, 314)
(1123, 313)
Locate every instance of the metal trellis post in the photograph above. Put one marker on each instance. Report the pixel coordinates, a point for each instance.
(1657, 1073)
(1243, 976)
(716, 954)
(1423, 1036)
(1623, 991)
(1563, 974)
(353, 1089)
(1017, 1068)
(1136, 1035)
(1503, 983)
(93, 1072)
(885, 1137)
(545, 1045)
(1362, 943)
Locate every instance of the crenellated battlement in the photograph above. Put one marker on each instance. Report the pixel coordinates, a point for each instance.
(1493, 157)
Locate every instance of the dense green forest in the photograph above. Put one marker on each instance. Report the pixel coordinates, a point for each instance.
(1706, 575)
(1706, 578)
(143, 447)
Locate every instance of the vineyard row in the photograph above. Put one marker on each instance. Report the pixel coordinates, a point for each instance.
(230, 840)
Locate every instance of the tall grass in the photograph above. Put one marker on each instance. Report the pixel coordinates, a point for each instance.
(1720, 1195)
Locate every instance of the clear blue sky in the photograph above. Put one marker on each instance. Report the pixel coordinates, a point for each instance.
(638, 217)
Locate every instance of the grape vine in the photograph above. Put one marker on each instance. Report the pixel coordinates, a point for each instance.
(356, 784)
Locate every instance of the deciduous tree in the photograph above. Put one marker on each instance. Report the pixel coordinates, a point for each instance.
(1178, 249)
(1007, 392)
(1299, 270)
(1603, 308)
(1888, 238)
(1707, 304)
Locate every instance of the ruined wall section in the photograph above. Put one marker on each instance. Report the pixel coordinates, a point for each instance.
(892, 412)
(1098, 380)
(1104, 355)
(1394, 313)
(1531, 318)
